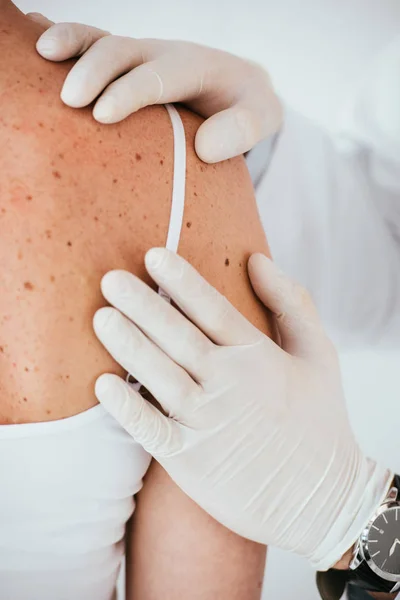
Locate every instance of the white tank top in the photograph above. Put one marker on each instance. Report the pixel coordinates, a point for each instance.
(67, 486)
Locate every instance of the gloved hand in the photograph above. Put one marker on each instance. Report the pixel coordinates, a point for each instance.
(235, 95)
(258, 435)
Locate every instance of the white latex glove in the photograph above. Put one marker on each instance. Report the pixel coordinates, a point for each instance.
(257, 435)
(234, 95)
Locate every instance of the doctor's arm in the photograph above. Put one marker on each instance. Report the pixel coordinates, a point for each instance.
(338, 242)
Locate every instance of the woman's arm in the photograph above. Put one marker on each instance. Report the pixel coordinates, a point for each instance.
(175, 550)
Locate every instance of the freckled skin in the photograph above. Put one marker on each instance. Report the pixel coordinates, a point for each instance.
(68, 216)
(74, 209)
(64, 240)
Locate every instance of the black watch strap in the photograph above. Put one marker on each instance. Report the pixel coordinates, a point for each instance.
(366, 579)
(332, 584)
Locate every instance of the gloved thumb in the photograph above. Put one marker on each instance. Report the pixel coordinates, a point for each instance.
(67, 40)
(228, 133)
(299, 326)
(157, 433)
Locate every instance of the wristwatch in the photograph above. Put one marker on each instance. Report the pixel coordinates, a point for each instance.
(375, 566)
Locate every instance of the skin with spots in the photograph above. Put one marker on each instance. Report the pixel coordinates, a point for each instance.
(63, 222)
(78, 200)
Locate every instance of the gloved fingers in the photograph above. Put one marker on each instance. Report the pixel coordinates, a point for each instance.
(142, 86)
(182, 341)
(67, 40)
(202, 303)
(165, 79)
(107, 59)
(170, 385)
(158, 434)
(41, 19)
(298, 322)
(236, 130)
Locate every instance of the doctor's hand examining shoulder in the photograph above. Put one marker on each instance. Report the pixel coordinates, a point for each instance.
(256, 433)
(235, 95)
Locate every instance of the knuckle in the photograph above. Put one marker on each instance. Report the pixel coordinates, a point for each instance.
(166, 438)
(187, 398)
(219, 311)
(107, 41)
(206, 354)
(150, 82)
(191, 342)
(204, 358)
(109, 45)
(130, 336)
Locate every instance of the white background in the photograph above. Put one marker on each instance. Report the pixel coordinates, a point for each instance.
(315, 51)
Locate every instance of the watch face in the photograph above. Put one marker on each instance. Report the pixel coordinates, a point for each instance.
(383, 541)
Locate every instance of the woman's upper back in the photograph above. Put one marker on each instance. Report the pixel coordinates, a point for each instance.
(77, 199)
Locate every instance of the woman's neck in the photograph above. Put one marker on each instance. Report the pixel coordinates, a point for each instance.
(16, 29)
(9, 14)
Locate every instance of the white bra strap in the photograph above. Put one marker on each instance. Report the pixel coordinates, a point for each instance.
(178, 196)
(179, 180)
(178, 186)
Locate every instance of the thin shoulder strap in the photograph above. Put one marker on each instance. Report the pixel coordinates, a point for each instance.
(179, 180)
(178, 198)
(178, 186)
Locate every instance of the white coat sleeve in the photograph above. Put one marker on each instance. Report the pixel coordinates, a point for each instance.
(331, 213)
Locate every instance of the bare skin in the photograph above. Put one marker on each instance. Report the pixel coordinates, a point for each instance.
(78, 200)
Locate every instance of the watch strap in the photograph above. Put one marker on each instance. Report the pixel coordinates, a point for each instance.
(332, 584)
(366, 579)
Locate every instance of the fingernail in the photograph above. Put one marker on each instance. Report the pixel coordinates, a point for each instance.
(47, 46)
(110, 391)
(154, 258)
(73, 91)
(102, 388)
(221, 139)
(116, 284)
(102, 318)
(107, 391)
(104, 110)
